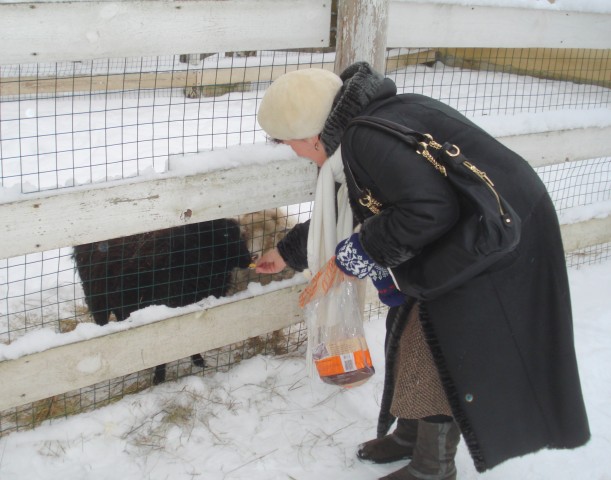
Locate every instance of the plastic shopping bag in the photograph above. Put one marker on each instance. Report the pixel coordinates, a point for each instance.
(337, 348)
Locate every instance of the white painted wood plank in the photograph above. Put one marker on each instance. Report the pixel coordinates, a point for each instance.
(415, 24)
(69, 367)
(49, 32)
(576, 236)
(554, 147)
(39, 223)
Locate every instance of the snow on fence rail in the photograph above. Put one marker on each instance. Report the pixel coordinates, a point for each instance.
(53, 219)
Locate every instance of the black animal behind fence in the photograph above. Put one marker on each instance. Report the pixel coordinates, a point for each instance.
(175, 267)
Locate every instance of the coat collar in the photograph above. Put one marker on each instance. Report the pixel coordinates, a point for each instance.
(362, 85)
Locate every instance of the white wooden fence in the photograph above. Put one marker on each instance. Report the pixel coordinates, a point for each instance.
(49, 32)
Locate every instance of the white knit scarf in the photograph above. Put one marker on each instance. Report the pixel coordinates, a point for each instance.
(324, 234)
(325, 229)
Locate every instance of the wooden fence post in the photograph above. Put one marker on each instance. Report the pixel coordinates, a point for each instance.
(362, 27)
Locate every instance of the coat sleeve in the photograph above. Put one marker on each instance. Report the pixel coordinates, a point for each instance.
(293, 248)
(419, 205)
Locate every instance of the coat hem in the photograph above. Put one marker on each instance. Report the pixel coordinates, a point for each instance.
(453, 397)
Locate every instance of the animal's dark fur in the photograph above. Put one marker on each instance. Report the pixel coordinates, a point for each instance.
(174, 267)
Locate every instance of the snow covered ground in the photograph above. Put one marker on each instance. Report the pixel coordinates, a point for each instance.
(265, 419)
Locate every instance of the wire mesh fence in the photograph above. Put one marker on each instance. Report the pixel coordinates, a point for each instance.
(76, 123)
(82, 123)
(87, 122)
(505, 81)
(107, 280)
(575, 184)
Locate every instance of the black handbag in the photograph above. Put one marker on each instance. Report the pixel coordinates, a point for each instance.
(487, 230)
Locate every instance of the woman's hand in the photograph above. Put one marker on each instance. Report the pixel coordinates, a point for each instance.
(270, 262)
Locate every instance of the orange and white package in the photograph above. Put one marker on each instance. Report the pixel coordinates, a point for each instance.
(347, 363)
(336, 337)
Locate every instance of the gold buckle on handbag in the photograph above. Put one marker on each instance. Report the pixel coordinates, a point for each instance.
(369, 202)
(424, 151)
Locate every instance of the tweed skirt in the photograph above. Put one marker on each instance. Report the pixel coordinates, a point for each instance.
(418, 391)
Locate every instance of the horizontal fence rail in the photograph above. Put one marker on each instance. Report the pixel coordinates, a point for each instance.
(40, 32)
(90, 361)
(88, 215)
(414, 23)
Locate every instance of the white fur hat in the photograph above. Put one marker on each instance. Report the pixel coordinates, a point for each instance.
(297, 104)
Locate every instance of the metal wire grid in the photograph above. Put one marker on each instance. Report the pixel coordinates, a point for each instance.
(44, 289)
(39, 290)
(77, 123)
(505, 81)
(575, 184)
(589, 255)
(157, 120)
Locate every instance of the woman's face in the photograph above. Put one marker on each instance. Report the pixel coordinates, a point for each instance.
(310, 148)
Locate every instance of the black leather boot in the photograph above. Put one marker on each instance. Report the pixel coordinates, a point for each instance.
(391, 448)
(434, 453)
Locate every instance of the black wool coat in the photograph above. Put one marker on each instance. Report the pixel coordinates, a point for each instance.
(503, 341)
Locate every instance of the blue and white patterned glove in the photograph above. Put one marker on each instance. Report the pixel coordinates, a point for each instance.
(352, 259)
(388, 293)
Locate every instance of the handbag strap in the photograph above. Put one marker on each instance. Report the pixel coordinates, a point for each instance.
(421, 142)
(413, 136)
(365, 198)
